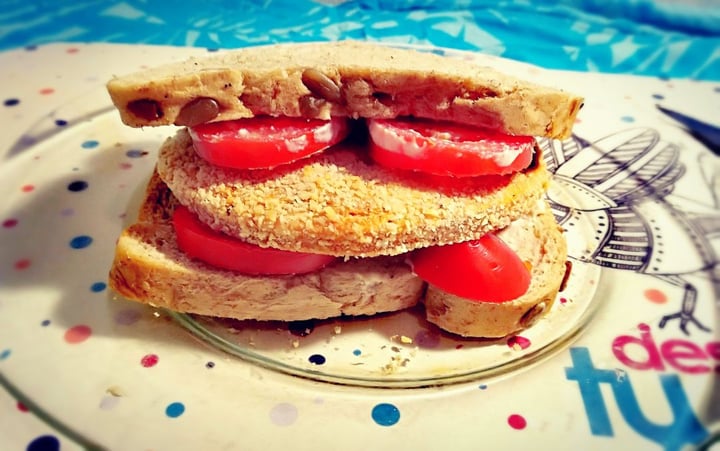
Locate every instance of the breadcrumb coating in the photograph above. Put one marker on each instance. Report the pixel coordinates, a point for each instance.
(338, 203)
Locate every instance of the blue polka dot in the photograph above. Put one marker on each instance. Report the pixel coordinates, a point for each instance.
(80, 242)
(175, 409)
(98, 287)
(482, 386)
(4, 354)
(90, 144)
(317, 359)
(77, 185)
(44, 443)
(357, 352)
(31, 48)
(627, 119)
(658, 96)
(135, 153)
(11, 102)
(45, 323)
(385, 414)
(61, 122)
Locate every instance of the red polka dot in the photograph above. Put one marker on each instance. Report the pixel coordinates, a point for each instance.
(518, 342)
(8, 223)
(125, 165)
(78, 334)
(149, 360)
(655, 296)
(517, 421)
(46, 91)
(563, 300)
(21, 264)
(72, 50)
(27, 188)
(21, 407)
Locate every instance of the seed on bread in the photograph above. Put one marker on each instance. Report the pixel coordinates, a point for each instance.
(321, 85)
(146, 109)
(532, 314)
(198, 111)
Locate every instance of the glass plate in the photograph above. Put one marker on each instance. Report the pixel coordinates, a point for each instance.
(403, 349)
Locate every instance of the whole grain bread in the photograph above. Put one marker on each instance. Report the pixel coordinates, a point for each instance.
(346, 78)
(148, 267)
(538, 241)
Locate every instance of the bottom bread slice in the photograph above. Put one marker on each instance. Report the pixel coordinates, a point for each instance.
(539, 242)
(150, 268)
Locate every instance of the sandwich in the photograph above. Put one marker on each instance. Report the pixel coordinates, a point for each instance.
(322, 180)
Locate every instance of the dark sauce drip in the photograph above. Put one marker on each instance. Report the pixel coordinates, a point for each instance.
(566, 276)
(301, 328)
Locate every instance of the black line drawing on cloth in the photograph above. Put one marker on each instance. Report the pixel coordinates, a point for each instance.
(624, 184)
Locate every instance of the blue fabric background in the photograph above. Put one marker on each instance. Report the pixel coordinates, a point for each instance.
(667, 38)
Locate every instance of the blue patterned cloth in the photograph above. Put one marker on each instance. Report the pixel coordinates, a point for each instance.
(665, 38)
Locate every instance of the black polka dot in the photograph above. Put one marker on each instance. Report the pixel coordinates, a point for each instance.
(317, 359)
(11, 102)
(136, 153)
(77, 185)
(44, 443)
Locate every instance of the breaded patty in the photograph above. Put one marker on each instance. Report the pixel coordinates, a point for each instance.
(338, 203)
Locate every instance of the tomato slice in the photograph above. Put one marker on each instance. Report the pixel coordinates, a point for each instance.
(199, 241)
(444, 148)
(485, 269)
(265, 142)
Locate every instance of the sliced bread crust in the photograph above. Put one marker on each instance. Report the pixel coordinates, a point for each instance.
(338, 203)
(347, 78)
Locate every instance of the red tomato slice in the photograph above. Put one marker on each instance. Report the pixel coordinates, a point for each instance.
(265, 142)
(444, 148)
(199, 241)
(485, 269)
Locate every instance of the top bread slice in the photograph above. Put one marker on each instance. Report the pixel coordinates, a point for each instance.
(346, 78)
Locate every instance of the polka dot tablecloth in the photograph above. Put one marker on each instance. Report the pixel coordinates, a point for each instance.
(81, 367)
